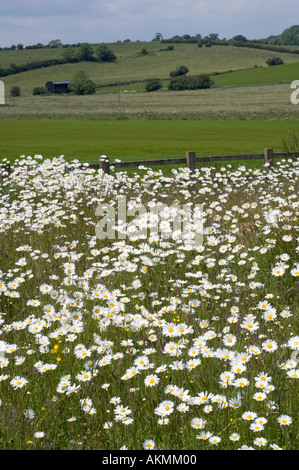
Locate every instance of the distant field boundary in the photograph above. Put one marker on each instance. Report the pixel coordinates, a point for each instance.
(190, 161)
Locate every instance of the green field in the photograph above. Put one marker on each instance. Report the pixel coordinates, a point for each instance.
(131, 140)
(132, 66)
(248, 109)
(257, 76)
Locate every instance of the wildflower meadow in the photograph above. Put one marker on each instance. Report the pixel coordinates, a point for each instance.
(144, 339)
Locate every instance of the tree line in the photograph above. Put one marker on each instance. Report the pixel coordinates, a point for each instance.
(85, 52)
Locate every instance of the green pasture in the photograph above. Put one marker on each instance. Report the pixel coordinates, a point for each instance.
(132, 66)
(87, 140)
(262, 75)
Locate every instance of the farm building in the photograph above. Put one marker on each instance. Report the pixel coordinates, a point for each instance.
(58, 87)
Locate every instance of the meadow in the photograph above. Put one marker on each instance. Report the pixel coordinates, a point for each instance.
(137, 337)
(146, 339)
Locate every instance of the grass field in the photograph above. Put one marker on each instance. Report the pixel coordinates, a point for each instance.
(270, 102)
(131, 65)
(244, 86)
(274, 74)
(131, 139)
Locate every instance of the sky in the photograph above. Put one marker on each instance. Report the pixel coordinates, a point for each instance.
(35, 21)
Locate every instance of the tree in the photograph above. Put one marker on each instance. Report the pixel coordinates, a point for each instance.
(274, 61)
(105, 54)
(240, 38)
(55, 43)
(290, 36)
(153, 84)
(158, 37)
(85, 52)
(191, 82)
(213, 36)
(69, 54)
(182, 70)
(20, 47)
(81, 84)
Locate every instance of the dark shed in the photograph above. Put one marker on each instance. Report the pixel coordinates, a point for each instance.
(58, 87)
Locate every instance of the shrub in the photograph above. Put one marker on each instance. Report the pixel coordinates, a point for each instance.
(40, 90)
(274, 61)
(105, 54)
(153, 84)
(85, 52)
(144, 51)
(15, 91)
(191, 82)
(81, 84)
(182, 70)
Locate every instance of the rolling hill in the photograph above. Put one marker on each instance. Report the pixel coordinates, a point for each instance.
(132, 66)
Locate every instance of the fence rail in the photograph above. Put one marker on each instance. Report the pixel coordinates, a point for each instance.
(190, 161)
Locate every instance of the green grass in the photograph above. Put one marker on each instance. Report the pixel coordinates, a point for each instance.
(131, 140)
(274, 74)
(131, 65)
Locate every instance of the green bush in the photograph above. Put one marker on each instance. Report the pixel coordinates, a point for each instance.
(81, 84)
(105, 54)
(274, 61)
(182, 70)
(15, 91)
(40, 90)
(153, 84)
(191, 82)
(86, 52)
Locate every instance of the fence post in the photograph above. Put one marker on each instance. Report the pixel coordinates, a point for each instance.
(104, 165)
(191, 161)
(268, 157)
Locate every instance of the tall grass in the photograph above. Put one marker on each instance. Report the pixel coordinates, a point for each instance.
(149, 341)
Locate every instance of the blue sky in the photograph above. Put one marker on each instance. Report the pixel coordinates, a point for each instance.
(72, 21)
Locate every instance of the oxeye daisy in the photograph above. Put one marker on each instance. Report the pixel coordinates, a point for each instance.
(198, 423)
(260, 441)
(151, 380)
(284, 420)
(149, 444)
(269, 345)
(214, 440)
(18, 382)
(259, 396)
(249, 415)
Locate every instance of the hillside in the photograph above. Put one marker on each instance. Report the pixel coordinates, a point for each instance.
(132, 66)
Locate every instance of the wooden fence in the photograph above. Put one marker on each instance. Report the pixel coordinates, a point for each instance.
(190, 161)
